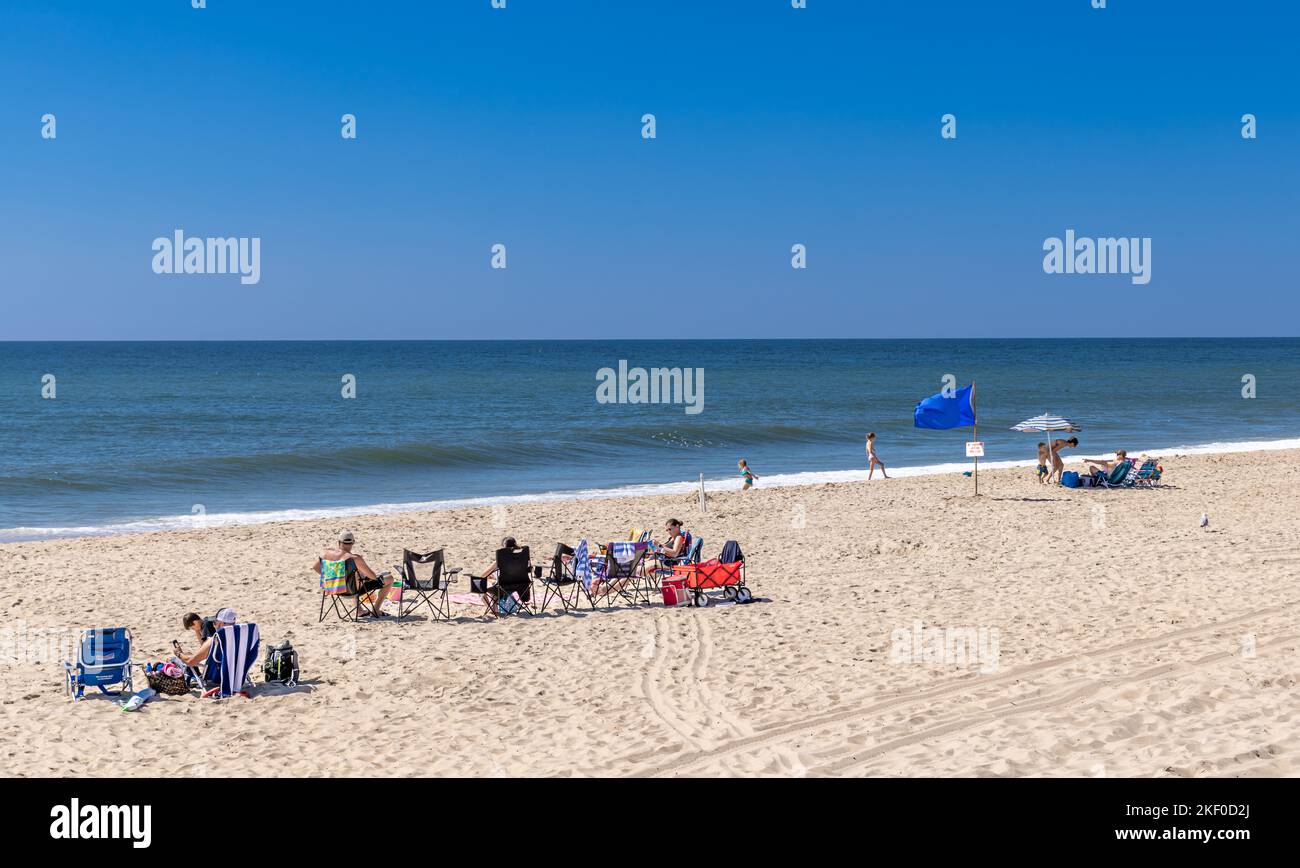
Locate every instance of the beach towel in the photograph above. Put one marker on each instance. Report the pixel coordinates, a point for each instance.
(234, 651)
(582, 565)
(624, 552)
(334, 576)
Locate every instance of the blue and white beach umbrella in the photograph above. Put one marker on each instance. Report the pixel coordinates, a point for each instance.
(1046, 422)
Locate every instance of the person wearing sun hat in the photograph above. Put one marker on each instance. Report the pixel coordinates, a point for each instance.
(361, 579)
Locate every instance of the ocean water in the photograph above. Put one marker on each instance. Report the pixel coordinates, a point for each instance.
(156, 435)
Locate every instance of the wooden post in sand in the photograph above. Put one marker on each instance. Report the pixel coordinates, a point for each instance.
(703, 506)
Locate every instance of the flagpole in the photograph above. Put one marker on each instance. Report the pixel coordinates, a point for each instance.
(975, 430)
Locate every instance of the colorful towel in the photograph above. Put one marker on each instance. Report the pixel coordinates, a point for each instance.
(334, 576)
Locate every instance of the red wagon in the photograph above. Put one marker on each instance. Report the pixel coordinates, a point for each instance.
(714, 574)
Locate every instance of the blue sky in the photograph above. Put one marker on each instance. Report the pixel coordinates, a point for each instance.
(522, 126)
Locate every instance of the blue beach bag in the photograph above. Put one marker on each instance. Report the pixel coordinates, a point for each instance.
(1070, 479)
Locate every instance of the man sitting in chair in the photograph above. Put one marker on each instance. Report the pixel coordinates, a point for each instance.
(361, 579)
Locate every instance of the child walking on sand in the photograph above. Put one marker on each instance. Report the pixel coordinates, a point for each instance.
(746, 474)
(872, 458)
(1043, 460)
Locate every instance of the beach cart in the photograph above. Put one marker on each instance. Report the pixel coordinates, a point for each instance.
(701, 577)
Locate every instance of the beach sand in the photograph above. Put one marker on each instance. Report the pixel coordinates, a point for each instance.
(1129, 640)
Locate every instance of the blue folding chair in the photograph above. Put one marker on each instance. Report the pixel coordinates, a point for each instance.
(691, 555)
(103, 660)
(234, 651)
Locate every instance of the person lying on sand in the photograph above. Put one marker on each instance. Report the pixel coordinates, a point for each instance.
(1058, 466)
(361, 579)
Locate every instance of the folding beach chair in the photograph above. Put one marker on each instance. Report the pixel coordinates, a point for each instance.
(623, 573)
(338, 583)
(1147, 474)
(103, 659)
(513, 591)
(431, 592)
(1123, 476)
(562, 583)
(690, 556)
(234, 651)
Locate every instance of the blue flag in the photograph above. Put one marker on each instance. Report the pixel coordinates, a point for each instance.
(937, 411)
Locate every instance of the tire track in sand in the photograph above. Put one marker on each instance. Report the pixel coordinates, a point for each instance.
(783, 731)
(650, 679)
(1071, 692)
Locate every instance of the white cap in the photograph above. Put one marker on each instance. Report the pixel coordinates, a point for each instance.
(227, 616)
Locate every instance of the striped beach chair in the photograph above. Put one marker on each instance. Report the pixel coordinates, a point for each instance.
(1147, 474)
(234, 651)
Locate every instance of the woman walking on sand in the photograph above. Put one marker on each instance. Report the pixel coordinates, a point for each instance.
(873, 459)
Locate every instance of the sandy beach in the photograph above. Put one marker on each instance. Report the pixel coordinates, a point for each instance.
(1128, 641)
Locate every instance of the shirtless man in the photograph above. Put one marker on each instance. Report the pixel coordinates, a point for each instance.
(366, 581)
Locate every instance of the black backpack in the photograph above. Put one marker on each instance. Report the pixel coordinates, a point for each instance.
(281, 664)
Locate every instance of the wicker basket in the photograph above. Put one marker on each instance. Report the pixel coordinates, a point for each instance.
(167, 684)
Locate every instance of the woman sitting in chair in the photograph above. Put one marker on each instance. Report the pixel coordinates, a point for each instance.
(676, 547)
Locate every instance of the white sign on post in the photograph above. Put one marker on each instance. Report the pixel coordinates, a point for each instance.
(975, 449)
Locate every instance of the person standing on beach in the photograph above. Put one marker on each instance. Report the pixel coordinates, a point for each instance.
(1043, 460)
(873, 460)
(746, 474)
(1058, 466)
